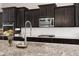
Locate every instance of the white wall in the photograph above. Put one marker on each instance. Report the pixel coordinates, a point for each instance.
(62, 32)
(0, 7)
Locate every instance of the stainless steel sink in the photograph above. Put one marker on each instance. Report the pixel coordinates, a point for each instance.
(21, 45)
(46, 36)
(24, 44)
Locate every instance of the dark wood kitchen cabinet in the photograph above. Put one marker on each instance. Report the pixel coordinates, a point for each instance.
(14, 14)
(65, 16)
(76, 14)
(59, 16)
(9, 14)
(0, 19)
(69, 16)
(47, 11)
(20, 22)
(33, 16)
(43, 12)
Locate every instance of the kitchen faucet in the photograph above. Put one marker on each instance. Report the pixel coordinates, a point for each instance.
(25, 30)
(24, 45)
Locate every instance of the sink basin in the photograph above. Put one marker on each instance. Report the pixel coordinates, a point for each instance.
(46, 36)
(21, 45)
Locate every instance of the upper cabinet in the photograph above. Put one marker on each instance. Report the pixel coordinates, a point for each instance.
(69, 16)
(33, 16)
(77, 14)
(65, 16)
(59, 16)
(9, 14)
(0, 19)
(47, 11)
(15, 15)
(21, 16)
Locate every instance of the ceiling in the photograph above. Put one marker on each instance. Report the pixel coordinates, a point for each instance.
(29, 5)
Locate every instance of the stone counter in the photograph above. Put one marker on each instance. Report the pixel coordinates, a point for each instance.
(38, 49)
(60, 32)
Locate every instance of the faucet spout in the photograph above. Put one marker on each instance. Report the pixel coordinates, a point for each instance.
(25, 41)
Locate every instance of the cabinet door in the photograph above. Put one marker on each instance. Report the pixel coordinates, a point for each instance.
(69, 17)
(43, 12)
(20, 17)
(0, 19)
(9, 14)
(5, 15)
(12, 14)
(28, 16)
(50, 11)
(59, 17)
(33, 17)
(17, 20)
(64, 16)
(77, 14)
(36, 18)
(47, 10)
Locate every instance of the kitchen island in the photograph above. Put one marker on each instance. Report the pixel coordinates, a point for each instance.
(38, 49)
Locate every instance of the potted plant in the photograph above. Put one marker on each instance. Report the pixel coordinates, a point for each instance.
(9, 34)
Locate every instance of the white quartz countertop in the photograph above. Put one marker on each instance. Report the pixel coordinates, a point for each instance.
(59, 32)
(38, 49)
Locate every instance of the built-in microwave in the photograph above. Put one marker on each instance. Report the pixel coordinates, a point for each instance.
(46, 22)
